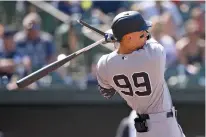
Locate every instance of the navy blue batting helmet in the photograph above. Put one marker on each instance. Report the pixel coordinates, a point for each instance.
(128, 22)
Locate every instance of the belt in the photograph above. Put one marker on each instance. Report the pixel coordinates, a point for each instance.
(147, 116)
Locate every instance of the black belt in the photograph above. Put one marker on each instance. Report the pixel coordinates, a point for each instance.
(146, 116)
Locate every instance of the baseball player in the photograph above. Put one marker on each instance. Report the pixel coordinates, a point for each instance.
(136, 71)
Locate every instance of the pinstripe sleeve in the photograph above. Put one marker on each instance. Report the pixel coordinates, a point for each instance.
(103, 85)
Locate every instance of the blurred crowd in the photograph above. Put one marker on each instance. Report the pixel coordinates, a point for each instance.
(178, 25)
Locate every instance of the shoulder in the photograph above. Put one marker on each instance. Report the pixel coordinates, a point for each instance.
(108, 58)
(201, 43)
(105, 59)
(182, 43)
(168, 39)
(153, 45)
(168, 42)
(20, 36)
(46, 36)
(102, 61)
(154, 50)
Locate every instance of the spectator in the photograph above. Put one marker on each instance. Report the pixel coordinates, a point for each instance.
(166, 40)
(1, 35)
(69, 7)
(34, 43)
(167, 20)
(101, 12)
(186, 7)
(191, 48)
(8, 57)
(158, 8)
(91, 77)
(12, 65)
(198, 14)
(114, 6)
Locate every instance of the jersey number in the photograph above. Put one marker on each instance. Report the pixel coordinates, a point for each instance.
(128, 85)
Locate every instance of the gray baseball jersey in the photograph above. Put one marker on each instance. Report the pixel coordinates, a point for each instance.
(138, 77)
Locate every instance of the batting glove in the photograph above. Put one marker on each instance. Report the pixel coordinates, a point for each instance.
(107, 93)
(109, 38)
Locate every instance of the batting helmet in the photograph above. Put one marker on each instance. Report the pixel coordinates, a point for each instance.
(128, 22)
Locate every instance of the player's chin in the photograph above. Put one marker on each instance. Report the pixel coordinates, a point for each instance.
(143, 43)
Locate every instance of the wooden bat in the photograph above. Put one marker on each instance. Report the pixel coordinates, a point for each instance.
(53, 66)
(112, 38)
(91, 28)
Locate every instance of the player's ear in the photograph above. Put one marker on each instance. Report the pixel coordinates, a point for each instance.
(127, 37)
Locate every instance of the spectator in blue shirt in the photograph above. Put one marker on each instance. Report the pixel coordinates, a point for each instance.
(12, 64)
(110, 6)
(8, 57)
(34, 43)
(70, 7)
(91, 78)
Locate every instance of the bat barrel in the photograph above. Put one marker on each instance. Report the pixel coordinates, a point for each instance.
(43, 71)
(53, 66)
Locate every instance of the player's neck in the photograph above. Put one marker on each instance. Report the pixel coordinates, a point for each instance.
(123, 49)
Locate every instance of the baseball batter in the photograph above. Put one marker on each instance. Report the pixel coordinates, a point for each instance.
(136, 71)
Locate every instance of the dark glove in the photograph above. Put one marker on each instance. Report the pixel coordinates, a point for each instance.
(107, 93)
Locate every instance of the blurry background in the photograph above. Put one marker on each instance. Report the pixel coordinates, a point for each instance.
(67, 102)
